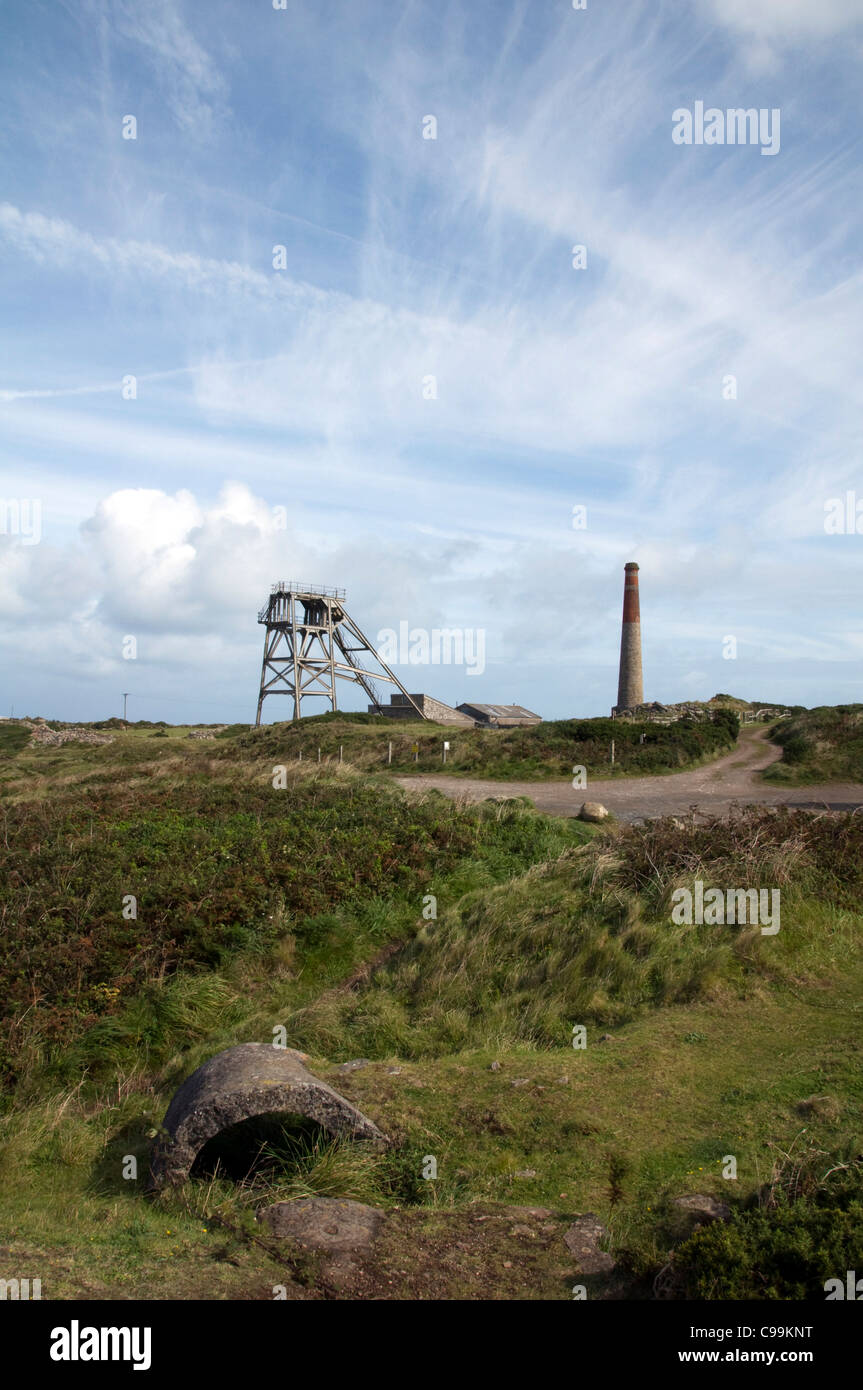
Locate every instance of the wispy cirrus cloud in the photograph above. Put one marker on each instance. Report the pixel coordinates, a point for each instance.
(770, 32)
(430, 384)
(185, 71)
(788, 20)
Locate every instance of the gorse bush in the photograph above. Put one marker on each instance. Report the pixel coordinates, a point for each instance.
(787, 1248)
(784, 1254)
(795, 748)
(727, 719)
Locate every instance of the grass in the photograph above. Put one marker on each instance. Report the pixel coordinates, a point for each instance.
(550, 749)
(143, 904)
(13, 739)
(269, 1159)
(819, 745)
(589, 939)
(674, 1109)
(304, 908)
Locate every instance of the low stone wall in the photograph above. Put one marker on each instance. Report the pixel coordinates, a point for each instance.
(40, 733)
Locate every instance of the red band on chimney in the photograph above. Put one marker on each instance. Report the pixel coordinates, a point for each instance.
(631, 610)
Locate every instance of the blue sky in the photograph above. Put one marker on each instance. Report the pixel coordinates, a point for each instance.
(296, 395)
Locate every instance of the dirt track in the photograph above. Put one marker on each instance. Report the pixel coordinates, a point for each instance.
(713, 788)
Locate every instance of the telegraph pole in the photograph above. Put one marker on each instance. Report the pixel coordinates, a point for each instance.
(126, 694)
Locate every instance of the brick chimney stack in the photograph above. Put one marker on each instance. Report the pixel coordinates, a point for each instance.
(630, 690)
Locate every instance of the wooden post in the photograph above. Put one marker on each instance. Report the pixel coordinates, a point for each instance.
(340, 752)
(300, 756)
(389, 752)
(612, 752)
(319, 755)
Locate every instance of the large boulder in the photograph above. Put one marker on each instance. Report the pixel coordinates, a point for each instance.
(593, 811)
(246, 1081)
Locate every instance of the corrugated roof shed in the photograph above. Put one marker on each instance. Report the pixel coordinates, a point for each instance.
(498, 711)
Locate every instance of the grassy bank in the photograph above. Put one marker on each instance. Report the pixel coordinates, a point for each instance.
(547, 750)
(820, 745)
(589, 938)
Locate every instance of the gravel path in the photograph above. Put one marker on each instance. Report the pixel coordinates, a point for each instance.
(713, 788)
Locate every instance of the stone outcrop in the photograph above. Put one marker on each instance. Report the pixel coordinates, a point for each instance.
(339, 1234)
(246, 1081)
(699, 1209)
(331, 1225)
(593, 811)
(582, 1240)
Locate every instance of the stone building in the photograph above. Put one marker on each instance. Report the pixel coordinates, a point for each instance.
(399, 707)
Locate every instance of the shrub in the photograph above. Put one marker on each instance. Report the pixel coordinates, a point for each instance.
(796, 749)
(727, 719)
(787, 1253)
(806, 1228)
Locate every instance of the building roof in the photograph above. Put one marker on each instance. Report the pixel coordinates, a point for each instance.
(501, 711)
